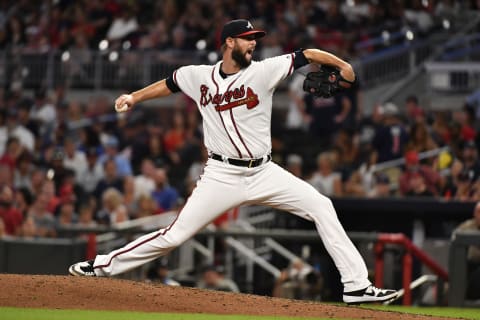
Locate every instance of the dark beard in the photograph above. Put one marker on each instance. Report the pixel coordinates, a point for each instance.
(239, 58)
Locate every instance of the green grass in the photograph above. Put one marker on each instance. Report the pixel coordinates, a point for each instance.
(7, 313)
(465, 313)
(48, 314)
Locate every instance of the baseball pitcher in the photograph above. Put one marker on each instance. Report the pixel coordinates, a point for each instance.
(234, 97)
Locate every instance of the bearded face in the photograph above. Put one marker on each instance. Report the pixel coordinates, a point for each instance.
(242, 57)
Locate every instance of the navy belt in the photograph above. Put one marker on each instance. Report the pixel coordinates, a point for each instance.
(241, 163)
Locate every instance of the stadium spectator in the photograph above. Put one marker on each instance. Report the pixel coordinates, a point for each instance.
(86, 215)
(23, 200)
(129, 199)
(213, 278)
(15, 32)
(464, 187)
(298, 281)
(325, 179)
(12, 152)
(419, 17)
(470, 159)
(37, 180)
(156, 151)
(14, 129)
(164, 195)
(40, 222)
(59, 171)
(195, 171)
(441, 131)
(113, 210)
(43, 112)
(414, 169)
(123, 24)
(414, 113)
(92, 173)
(6, 176)
(66, 215)
(159, 273)
(145, 181)
(74, 159)
(146, 206)
(174, 138)
(23, 171)
(110, 179)
(418, 187)
(450, 181)
(11, 216)
(297, 118)
(29, 229)
(390, 139)
(49, 195)
(420, 139)
(381, 187)
(346, 144)
(24, 120)
(294, 164)
(325, 116)
(122, 163)
(68, 192)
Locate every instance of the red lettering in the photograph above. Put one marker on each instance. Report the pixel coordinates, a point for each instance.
(204, 101)
(248, 98)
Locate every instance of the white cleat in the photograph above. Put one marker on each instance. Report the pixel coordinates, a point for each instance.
(82, 269)
(370, 294)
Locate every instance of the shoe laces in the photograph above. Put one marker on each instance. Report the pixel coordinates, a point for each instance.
(88, 269)
(376, 291)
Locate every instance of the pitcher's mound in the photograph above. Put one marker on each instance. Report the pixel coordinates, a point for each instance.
(67, 292)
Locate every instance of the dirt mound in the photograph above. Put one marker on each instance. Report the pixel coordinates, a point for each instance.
(66, 292)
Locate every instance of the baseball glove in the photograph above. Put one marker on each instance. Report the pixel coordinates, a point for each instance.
(326, 82)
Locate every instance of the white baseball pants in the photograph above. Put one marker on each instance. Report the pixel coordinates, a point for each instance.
(224, 186)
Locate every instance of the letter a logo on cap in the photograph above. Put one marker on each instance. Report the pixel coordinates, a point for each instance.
(249, 25)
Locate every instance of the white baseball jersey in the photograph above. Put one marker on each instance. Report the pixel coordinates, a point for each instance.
(236, 110)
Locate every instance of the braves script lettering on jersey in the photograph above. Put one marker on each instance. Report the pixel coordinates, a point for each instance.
(236, 111)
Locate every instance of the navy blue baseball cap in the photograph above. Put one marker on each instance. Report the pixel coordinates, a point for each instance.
(240, 28)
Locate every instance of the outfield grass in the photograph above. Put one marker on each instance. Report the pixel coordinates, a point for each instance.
(7, 313)
(465, 313)
(48, 314)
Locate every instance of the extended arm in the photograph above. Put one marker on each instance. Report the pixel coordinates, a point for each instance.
(322, 57)
(155, 90)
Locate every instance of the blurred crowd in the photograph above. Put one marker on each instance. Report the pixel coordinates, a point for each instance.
(339, 26)
(74, 162)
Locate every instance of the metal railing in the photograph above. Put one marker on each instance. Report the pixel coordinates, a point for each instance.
(100, 70)
(88, 69)
(468, 28)
(461, 240)
(453, 77)
(395, 62)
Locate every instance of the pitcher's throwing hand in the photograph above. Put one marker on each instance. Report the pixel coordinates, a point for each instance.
(124, 103)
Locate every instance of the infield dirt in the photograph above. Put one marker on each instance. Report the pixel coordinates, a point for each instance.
(66, 292)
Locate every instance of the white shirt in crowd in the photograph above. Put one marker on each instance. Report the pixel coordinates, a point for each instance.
(89, 177)
(46, 114)
(26, 138)
(324, 184)
(143, 186)
(77, 163)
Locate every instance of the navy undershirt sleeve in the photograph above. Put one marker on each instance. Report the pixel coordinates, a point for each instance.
(171, 84)
(299, 60)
